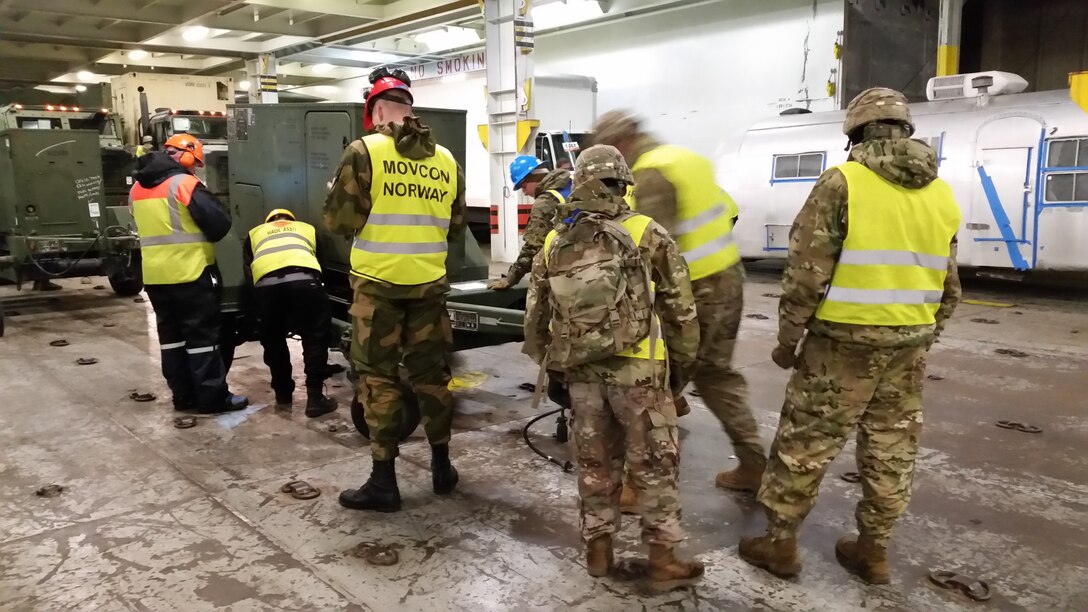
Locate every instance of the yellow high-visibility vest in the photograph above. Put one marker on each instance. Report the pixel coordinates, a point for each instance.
(404, 239)
(636, 226)
(704, 212)
(557, 195)
(894, 260)
(283, 244)
(173, 248)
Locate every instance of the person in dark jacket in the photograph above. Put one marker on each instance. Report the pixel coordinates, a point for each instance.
(178, 221)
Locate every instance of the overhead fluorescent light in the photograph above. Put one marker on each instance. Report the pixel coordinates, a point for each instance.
(85, 75)
(321, 68)
(195, 33)
(244, 85)
(137, 54)
(81, 88)
(565, 12)
(378, 57)
(448, 37)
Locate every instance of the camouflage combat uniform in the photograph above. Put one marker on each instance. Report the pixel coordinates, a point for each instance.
(396, 324)
(541, 220)
(848, 376)
(719, 300)
(622, 408)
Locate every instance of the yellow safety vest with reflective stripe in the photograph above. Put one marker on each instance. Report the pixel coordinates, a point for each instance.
(557, 195)
(173, 248)
(636, 226)
(704, 212)
(283, 244)
(404, 239)
(894, 260)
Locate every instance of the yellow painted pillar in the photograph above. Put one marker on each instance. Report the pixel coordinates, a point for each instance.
(1078, 89)
(948, 37)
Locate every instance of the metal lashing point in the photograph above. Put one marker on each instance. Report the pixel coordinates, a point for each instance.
(136, 396)
(377, 554)
(59, 342)
(139, 300)
(851, 477)
(300, 489)
(86, 361)
(184, 422)
(974, 588)
(51, 490)
(1021, 427)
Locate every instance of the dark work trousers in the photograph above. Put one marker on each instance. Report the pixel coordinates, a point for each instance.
(297, 304)
(187, 317)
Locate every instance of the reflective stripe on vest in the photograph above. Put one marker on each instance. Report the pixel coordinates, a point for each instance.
(636, 226)
(173, 248)
(704, 211)
(283, 244)
(558, 196)
(404, 240)
(893, 263)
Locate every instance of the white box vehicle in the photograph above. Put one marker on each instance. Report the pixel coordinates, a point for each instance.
(167, 91)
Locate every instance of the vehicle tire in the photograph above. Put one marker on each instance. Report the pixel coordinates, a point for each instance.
(129, 281)
(409, 418)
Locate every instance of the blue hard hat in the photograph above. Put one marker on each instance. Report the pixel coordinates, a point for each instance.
(521, 167)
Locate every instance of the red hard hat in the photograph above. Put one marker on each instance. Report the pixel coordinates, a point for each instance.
(381, 86)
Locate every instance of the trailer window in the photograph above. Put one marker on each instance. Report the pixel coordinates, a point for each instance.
(1066, 171)
(797, 167)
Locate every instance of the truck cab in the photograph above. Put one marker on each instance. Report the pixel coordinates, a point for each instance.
(210, 127)
(560, 148)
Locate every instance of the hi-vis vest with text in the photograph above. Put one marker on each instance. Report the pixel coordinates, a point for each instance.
(283, 244)
(894, 260)
(636, 226)
(404, 239)
(704, 213)
(173, 248)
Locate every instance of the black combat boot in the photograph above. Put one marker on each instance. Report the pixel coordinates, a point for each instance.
(380, 493)
(317, 404)
(443, 475)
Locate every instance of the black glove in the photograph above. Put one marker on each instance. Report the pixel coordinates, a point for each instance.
(784, 357)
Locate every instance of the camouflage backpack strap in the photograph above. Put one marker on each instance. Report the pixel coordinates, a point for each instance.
(618, 229)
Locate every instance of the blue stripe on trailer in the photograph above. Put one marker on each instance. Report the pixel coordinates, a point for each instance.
(1011, 243)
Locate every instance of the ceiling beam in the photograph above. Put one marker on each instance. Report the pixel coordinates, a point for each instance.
(345, 8)
(114, 45)
(73, 34)
(159, 15)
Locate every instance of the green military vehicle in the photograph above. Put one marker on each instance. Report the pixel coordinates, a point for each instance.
(54, 217)
(118, 161)
(284, 156)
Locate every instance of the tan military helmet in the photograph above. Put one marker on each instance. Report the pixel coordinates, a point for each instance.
(602, 162)
(877, 104)
(615, 126)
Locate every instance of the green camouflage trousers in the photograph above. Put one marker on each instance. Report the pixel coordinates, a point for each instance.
(417, 334)
(611, 426)
(836, 387)
(719, 300)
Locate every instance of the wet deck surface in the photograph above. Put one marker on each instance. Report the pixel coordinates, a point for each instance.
(157, 518)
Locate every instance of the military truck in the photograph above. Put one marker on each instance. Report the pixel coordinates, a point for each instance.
(118, 161)
(284, 156)
(54, 220)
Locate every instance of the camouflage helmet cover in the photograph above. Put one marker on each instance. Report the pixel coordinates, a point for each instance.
(602, 162)
(615, 126)
(877, 104)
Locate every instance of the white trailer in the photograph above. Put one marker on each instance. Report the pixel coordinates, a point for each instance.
(1017, 164)
(208, 94)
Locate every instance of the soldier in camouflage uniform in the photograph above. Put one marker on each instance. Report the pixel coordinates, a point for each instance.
(622, 406)
(872, 278)
(544, 187)
(397, 321)
(718, 287)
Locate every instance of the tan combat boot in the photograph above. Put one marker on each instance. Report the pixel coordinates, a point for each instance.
(745, 477)
(628, 500)
(667, 572)
(778, 557)
(865, 558)
(599, 556)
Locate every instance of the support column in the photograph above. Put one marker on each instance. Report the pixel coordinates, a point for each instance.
(948, 37)
(261, 74)
(510, 124)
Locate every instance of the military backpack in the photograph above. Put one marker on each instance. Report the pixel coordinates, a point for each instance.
(601, 294)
